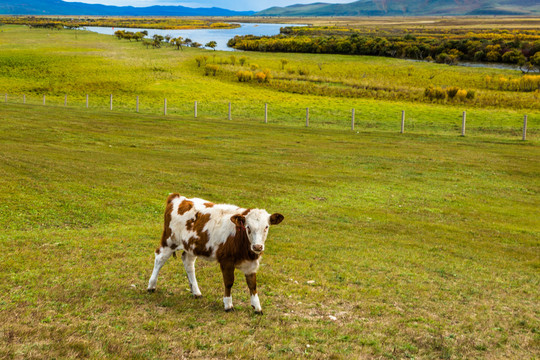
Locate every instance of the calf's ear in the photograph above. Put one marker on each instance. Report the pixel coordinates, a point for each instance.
(276, 218)
(238, 220)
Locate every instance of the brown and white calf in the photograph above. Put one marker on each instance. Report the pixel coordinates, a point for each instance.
(232, 236)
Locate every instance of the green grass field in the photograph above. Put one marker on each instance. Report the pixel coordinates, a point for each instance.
(419, 246)
(55, 63)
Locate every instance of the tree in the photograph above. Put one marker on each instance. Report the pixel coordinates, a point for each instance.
(157, 41)
(196, 44)
(535, 60)
(178, 42)
(138, 36)
(188, 42)
(211, 44)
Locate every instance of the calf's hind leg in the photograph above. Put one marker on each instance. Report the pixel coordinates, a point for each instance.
(162, 255)
(189, 265)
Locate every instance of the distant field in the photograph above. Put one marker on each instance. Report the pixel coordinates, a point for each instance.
(419, 246)
(54, 63)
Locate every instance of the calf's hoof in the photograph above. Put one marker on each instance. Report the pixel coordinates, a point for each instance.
(151, 290)
(259, 312)
(229, 310)
(197, 296)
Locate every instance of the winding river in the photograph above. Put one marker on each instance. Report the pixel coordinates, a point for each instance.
(203, 36)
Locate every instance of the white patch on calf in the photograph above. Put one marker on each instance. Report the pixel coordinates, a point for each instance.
(255, 303)
(227, 301)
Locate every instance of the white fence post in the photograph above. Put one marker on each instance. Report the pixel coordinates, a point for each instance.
(352, 120)
(43, 99)
(524, 128)
(111, 101)
(230, 117)
(65, 100)
(24, 98)
(137, 103)
(402, 121)
(463, 123)
(6, 98)
(266, 113)
(87, 101)
(165, 107)
(195, 109)
(307, 117)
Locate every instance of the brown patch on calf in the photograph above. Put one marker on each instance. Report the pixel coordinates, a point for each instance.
(238, 220)
(236, 249)
(167, 220)
(199, 242)
(246, 212)
(184, 207)
(251, 280)
(276, 218)
(227, 270)
(209, 204)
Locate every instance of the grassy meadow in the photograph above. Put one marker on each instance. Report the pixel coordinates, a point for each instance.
(420, 245)
(39, 62)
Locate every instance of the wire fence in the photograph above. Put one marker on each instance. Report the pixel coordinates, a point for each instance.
(387, 117)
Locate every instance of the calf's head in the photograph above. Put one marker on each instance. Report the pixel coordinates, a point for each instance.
(257, 222)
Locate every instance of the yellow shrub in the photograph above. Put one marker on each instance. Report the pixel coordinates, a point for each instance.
(461, 95)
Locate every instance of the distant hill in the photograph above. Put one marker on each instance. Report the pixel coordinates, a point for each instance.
(58, 7)
(410, 8)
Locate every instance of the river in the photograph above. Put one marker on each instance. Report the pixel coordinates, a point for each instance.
(203, 36)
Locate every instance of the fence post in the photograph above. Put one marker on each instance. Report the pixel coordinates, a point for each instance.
(24, 98)
(463, 123)
(230, 118)
(524, 128)
(266, 113)
(165, 107)
(195, 110)
(111, 101)
(352, 120)
(137, 103)
(402, 121)
(43, 99)
(6, 98)
(65, 100)
(87, 101)
(307, 117)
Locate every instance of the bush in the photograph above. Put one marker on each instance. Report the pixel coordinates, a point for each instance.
(263, 76)
(303, 71)
(211, 69)
(470, 94)
(260, 77)
(461, 95)
(242, 60)
(201, 60)
(435, 93)
(452, 91)
(254, 67)
(290, 71)
(244, 76)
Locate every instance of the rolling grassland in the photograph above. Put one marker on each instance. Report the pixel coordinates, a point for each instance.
(419, 245)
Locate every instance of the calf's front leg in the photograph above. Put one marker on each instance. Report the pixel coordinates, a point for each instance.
(251, 280)
(228, 280)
